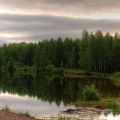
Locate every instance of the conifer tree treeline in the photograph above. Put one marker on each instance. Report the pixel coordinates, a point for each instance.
(92, 52)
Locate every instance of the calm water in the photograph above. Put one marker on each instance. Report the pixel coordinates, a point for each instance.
(32, 105)
(47, 95)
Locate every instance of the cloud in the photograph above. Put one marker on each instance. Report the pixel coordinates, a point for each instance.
(31, 28)
(34, 20)
(69, 8)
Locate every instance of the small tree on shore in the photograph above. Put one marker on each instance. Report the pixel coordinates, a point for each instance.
(90, 93)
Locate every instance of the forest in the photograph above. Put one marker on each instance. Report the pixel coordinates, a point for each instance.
(96, 52)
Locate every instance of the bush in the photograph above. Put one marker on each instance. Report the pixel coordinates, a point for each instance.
(90, 93)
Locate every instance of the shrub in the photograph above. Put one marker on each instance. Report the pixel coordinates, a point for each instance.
(90, 93)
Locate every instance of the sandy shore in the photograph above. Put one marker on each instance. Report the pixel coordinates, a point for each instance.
(4, 115)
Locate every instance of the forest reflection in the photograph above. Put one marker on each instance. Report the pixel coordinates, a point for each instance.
(53, 88)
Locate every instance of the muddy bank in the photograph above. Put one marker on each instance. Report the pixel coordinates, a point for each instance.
(88, 113)
(82, 113)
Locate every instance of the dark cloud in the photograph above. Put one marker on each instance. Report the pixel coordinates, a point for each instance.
(36, 27)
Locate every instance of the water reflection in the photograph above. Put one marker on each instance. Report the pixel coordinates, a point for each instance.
(54, 88)
(45, 93)
(109, 116)
(29, 104)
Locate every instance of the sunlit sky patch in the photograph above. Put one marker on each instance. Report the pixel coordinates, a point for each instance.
(34, 20)
(105, 16)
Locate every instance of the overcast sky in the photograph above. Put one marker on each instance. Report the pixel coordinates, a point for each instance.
(34, 20)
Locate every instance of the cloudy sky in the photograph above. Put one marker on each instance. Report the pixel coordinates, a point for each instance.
(34, 20)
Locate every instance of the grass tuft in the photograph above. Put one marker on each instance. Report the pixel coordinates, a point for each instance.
(6, 108)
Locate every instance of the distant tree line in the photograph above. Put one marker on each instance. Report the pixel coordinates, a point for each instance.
(92, 52)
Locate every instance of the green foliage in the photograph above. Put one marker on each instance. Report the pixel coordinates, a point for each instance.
(90, 93)
(59, 70)
(114, 106)
(11, 67)
(50, 68)
(92, 52)
(59, 53)
(116, 75)
(109, 99)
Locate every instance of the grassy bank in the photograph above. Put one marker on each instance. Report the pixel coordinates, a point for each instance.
(115, 78)
(108, 103)
(77, 73)
(91, 97)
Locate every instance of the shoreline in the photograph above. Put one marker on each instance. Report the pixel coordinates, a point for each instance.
(78, 113)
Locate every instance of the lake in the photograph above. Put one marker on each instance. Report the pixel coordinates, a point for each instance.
(47, 95)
